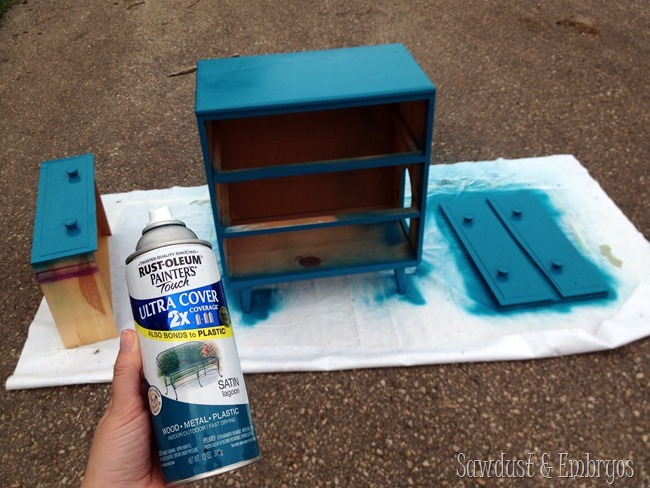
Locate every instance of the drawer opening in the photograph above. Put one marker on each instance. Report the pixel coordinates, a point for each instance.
(312, 136)
(334, 195)
(324, 250)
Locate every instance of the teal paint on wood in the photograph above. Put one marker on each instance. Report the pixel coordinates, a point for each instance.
(564, 266)
(65, 223)
(301, 80)
(338, 122)
(506, 269)
(523, 257)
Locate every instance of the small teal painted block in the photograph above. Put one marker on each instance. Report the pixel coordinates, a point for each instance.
(65, 223)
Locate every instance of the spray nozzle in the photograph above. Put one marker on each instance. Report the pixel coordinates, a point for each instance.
(161, 216)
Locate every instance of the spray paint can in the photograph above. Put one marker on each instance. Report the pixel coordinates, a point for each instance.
(195, 387)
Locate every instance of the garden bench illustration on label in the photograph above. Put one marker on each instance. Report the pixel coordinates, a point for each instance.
(182, 364)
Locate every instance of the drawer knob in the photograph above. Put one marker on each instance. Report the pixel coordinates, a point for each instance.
(71, 223)
(503, 272)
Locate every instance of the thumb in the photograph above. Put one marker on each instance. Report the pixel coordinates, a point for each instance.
(127, 373)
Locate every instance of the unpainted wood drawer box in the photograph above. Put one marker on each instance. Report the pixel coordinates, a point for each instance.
(70, 254)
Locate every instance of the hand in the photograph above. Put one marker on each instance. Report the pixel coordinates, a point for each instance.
(122, 452)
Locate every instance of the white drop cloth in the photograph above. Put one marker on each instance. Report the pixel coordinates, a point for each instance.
(360, 321)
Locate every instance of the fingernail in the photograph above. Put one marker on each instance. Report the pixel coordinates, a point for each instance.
(126, 341)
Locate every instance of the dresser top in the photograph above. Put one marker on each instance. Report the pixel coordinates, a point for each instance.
(285, 82)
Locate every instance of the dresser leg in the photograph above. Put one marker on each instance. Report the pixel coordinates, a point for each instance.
(400, 279)
(246, 296)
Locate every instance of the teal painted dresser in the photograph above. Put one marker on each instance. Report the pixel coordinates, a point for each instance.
(316, 162)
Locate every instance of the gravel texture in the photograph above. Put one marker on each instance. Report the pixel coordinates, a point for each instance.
(515, 79)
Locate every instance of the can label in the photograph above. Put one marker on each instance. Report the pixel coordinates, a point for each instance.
(195, 386)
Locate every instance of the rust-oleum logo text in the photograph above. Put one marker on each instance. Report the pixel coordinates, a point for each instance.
(171, 273)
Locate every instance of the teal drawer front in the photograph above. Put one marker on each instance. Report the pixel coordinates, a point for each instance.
(520, 251)
(506, 269)
(534, 229)
(65, 223)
